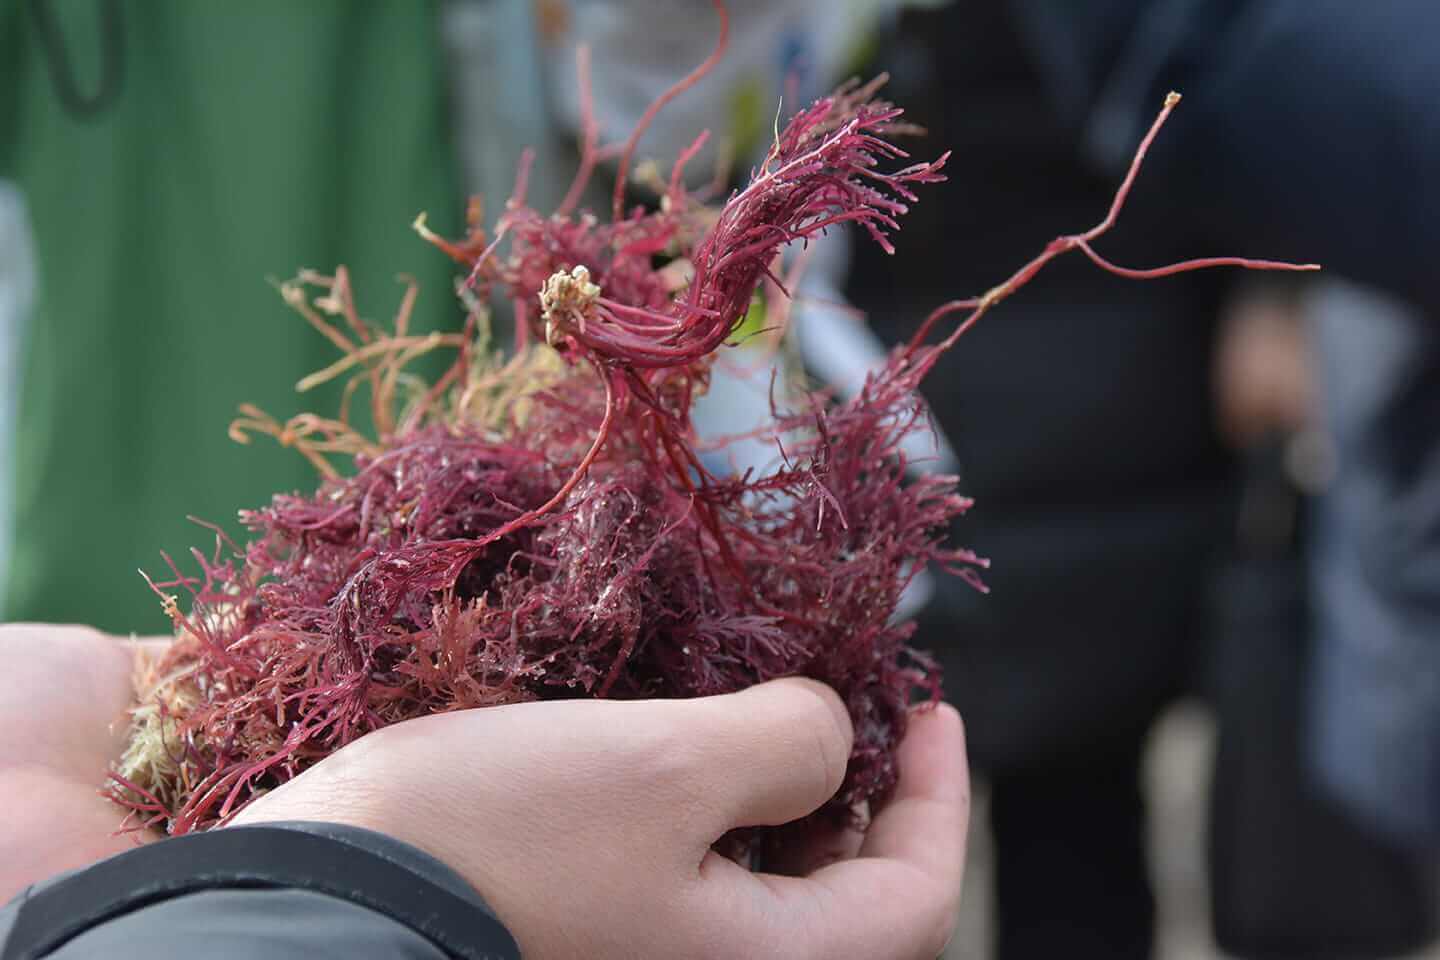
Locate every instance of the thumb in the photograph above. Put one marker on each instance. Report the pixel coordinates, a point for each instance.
(773, 753)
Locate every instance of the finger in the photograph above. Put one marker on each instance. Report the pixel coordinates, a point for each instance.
(73, 827)
(924, 824)
(147, 654)
(772, 753)
(898, 898)
(914, 848)
(63, 695)
(150, 644)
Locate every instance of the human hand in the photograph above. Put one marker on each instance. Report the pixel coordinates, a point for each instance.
(587, 825)
(1264, 379)
(64, 693)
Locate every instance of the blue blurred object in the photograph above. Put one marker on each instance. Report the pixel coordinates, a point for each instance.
(1376, 567)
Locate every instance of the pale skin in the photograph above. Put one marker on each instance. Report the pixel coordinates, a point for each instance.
(64, 693)
(587, 825)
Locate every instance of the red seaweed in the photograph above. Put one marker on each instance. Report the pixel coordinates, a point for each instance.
(543, 527)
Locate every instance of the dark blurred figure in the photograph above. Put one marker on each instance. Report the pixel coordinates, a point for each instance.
(1293, 872)
(1082, 412)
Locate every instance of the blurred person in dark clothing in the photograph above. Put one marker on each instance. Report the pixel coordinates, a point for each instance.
(1082, 412)
(1293, 871)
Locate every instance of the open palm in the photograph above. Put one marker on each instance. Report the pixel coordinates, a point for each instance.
(64, 692)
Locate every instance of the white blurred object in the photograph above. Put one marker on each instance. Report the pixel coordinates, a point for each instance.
(497, 87)
(839, 348)
(17, 297)
(836, 347)
(639, 48)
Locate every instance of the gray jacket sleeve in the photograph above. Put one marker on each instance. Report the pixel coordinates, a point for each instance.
(236, 924)
(278, 891)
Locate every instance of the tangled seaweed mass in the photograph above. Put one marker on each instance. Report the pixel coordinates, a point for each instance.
(543, 526)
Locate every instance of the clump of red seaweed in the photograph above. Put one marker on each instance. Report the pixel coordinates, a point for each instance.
(542, 527)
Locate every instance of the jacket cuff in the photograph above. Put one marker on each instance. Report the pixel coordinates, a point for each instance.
(359, 866)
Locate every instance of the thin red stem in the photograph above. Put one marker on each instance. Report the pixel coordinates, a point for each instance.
(601, 435)
(979, 306)
(590, 133)
(617, 201)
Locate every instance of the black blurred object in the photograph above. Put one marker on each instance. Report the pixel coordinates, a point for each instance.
(1085, 864)
(1081, 416)
(1081, 412)
(1291, 875)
